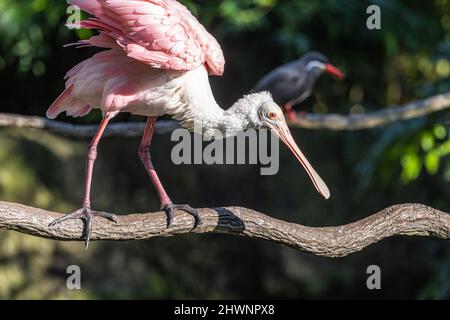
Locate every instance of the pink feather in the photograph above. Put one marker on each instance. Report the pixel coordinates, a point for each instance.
(161, 33)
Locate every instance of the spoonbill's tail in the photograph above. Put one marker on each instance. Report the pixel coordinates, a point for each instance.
(65, 102)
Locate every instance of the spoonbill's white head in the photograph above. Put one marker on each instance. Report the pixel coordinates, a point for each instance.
(258, 110)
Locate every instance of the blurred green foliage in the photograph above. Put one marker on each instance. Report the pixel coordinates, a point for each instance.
(407, 59)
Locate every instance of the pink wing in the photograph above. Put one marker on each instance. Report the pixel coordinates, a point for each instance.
(161, 33)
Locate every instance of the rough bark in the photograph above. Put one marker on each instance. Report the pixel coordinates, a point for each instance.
(404, 219)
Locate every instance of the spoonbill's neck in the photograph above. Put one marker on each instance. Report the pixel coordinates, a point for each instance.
(201, 113)
(227, 123)
(213, 121)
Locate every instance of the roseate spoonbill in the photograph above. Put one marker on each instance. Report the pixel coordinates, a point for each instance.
(156, 62)
(293, 82)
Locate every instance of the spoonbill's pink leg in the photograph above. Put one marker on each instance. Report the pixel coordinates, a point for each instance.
(166, 203)
(86, 213)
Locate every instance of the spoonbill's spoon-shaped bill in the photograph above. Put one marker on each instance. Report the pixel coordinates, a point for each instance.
(282, 131)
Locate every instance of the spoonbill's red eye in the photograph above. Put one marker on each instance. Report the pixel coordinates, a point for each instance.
(272, 115)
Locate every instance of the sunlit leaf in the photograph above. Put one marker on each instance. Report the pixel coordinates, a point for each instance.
(412, 165)
(427, 141)
(443, 68)
(439, 131)
(432, 162)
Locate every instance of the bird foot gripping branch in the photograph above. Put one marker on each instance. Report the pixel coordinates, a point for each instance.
(170, 211)
(160, 55)
(87, 215)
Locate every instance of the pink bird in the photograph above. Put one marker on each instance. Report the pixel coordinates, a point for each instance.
(157, 61)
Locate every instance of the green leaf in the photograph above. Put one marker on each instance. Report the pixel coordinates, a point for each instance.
(432, 162)
(439, 131)
(427, 141)
(412, 166)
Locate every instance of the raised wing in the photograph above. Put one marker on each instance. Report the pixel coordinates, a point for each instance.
(161, 33)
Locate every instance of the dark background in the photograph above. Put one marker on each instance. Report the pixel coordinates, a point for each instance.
(366, 171)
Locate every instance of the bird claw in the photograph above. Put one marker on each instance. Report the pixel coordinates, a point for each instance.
(87, 215)
(170, 210)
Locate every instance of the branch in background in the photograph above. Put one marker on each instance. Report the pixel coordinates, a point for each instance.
(309, 121)
(374, 119)
(403, 219)
(123, 130)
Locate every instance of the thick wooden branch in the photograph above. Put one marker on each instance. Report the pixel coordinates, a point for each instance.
(403, 219)
(308, 121)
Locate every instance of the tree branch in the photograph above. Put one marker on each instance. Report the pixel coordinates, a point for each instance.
(308, 121)
(403, 219)
(126, 130)
(374, 119)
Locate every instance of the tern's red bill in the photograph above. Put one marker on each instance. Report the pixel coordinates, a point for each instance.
(329, 68)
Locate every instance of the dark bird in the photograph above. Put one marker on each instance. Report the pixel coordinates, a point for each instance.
(293, 82)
